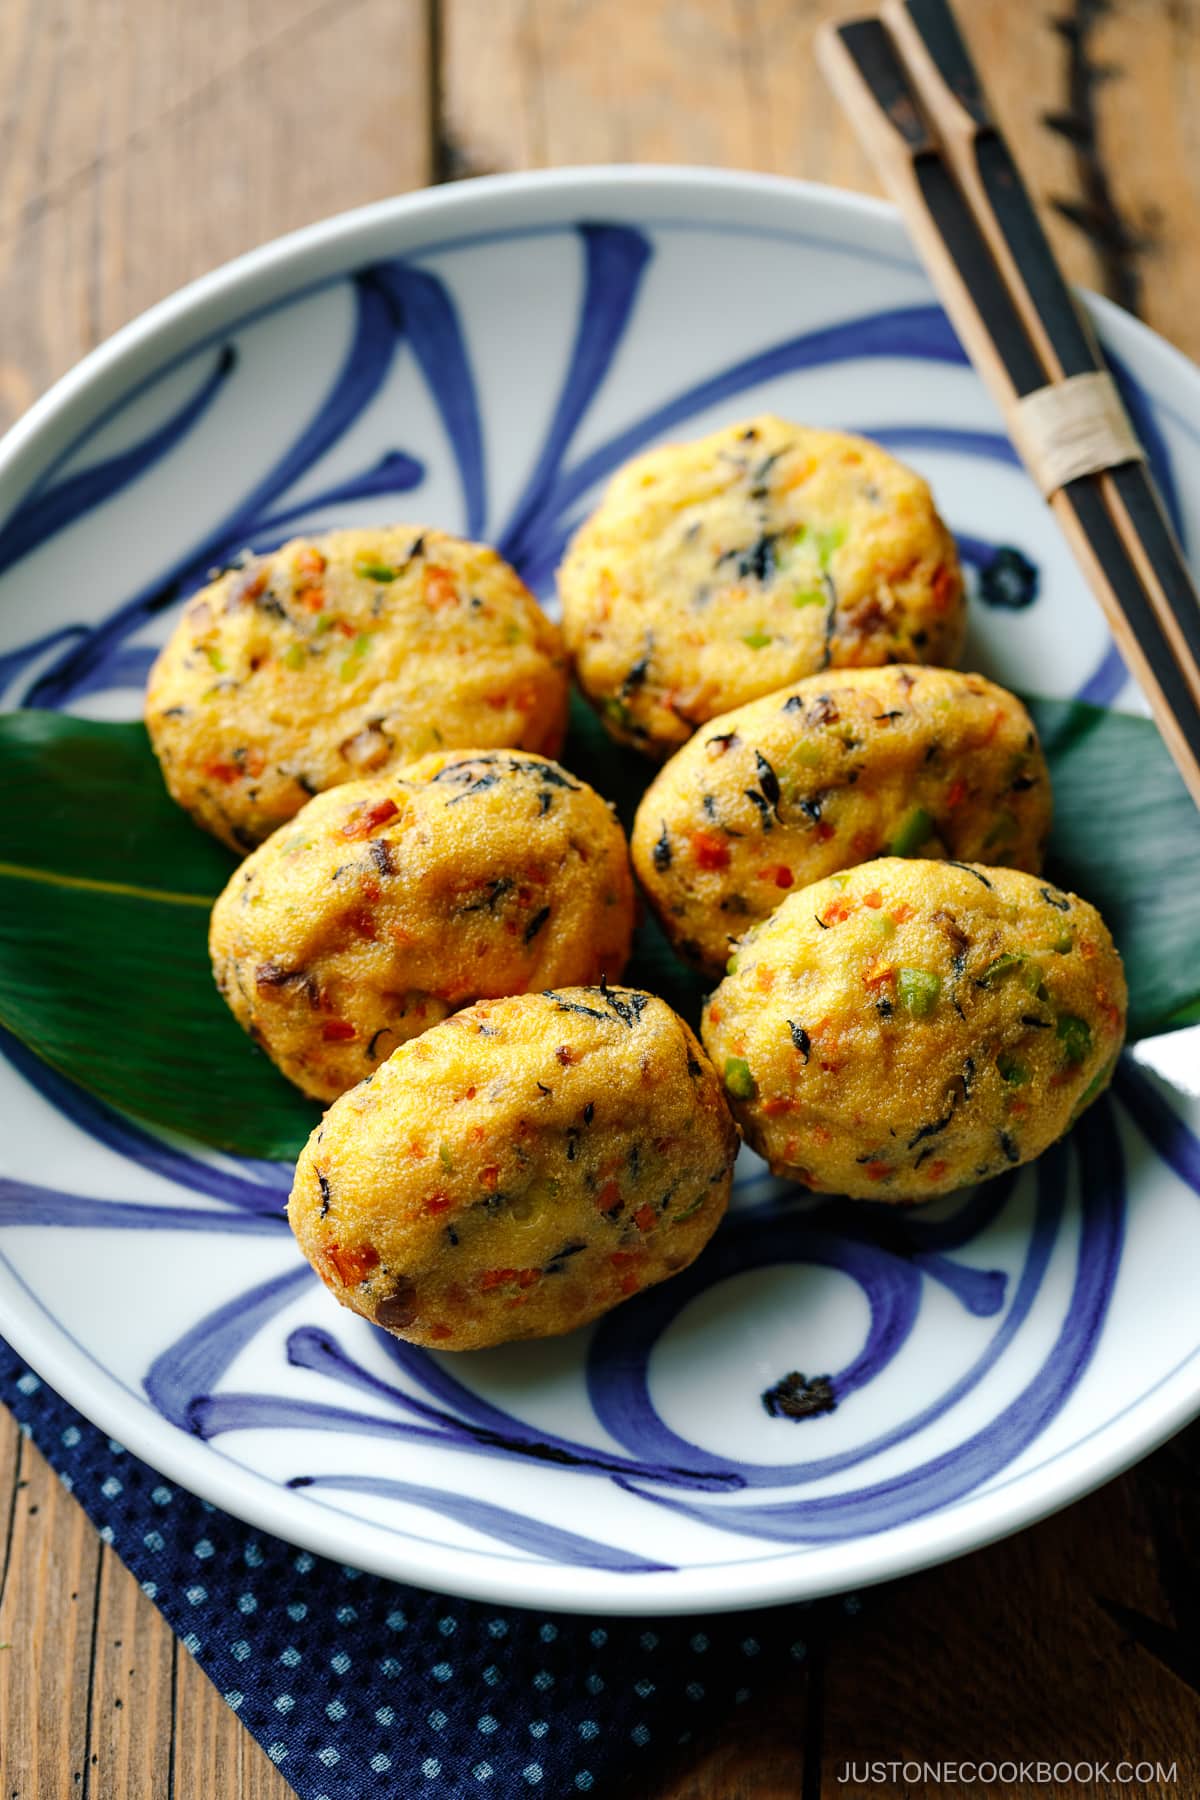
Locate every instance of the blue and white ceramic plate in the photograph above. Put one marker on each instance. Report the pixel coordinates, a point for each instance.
(482, 358)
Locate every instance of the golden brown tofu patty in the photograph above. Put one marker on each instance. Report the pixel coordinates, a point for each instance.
(904, 1028)
(717, 571)
(388, 903)
(341, 656)
(832, 771)
(518, 1170)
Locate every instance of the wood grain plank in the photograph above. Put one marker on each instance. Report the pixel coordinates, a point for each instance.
(215, 1757)
(112, 194)
(1146, 58)
(130, 1737)
(47, 1619)
(1014, 1653)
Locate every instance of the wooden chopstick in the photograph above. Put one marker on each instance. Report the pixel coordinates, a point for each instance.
(1019, 345)
(929, 42)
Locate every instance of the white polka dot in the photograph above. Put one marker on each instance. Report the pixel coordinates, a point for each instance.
(385, 1715)
(234, 1698)
(538, 1728)
(694, 1691)
(68, 1482)
(588, 1730)
(482, 1771)
(532, 1773)
(491, 1675)
(640, 1735)
(391, 1668)
(107, 1535)
(543, 1680)
(329, 1756)
(203, 1549)
(162, 1496)
(346, 1615)
(70, 1436)
(643, 1689)
(150, 1589)
(437, 1719)
(381, 1763)
(351, 1573)
(196, 1595)
(276, 1752)
(447, 1626)
(548, 1633)
(28, 1383)
(335, 1711)
(192, 1644)
(341, 1662)
(699, 1643)
(396, 1621)
(290, 1656)
(583, 1780)
(114, 1448)
(599, 1639)
(284, 1703)
(648, 1641)
(442, 1671)
(594, 1684)
(247, 1603)
(240, 1650)
(498, 1628)
(297, 1610)
(431, 1768)
(153, 1540)
(487, 1725)
(253, 1556)
(110, 1488)
(750, 1647)
(303, 1563)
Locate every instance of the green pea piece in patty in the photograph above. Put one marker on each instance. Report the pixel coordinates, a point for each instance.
(908, 1027)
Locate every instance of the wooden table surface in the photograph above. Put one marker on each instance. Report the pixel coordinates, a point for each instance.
(144, 141)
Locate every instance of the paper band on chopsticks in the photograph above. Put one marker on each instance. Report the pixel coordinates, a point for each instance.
(1074, 427)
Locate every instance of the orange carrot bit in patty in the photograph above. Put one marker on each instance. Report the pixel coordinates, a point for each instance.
(223, 771)
(441, 589)
(875, 1171)
(942, 587)
(310, 561)
(363, 823)
(494, 1278)
(779, 873)
(490, 1177)
(838, 911)
(438, 1203)
(874, 899)
(338, 1031)
(439, 1330)
(823, 831)
(527, 1277)
(609, 1198)
(779, 1103)
(629, 1284)
(936, 1170)
(956, 793)
(898, 914)
(644, 1218)
(312, 597)
(352, 1263)
(710, 851)
(879, 974)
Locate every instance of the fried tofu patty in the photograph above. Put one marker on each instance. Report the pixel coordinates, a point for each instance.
(518, 1170)
(386, 904)
(341, 656)
(908, 1027)
(717, 571)
(832, 771)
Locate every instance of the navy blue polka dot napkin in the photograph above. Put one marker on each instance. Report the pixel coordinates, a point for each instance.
(357, 1687)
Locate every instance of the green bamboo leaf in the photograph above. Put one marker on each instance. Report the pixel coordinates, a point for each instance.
(105, 891)
(105, 888)
(1127, 837)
